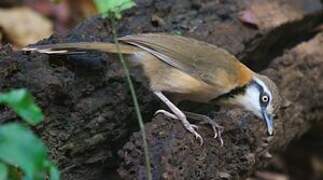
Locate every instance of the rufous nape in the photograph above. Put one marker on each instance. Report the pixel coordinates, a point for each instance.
(188, 69)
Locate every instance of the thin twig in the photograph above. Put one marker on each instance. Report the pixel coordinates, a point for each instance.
(135, 101)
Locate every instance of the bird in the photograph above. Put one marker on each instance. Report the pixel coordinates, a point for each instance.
(188, 69)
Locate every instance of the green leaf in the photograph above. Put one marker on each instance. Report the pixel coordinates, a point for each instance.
(53, 172)
(3, 171)
(113, 7)
(19, 147)
(22, 103)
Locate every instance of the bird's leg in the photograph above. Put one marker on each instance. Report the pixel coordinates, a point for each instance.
(217, 129)
(178, 114)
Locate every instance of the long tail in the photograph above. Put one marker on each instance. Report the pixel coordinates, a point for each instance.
(63, 48)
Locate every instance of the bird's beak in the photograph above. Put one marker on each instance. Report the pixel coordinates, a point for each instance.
(269, 121)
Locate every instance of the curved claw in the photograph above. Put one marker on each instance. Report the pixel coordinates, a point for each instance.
(218, 130)
(192, 128)
(199, 138)
(220, 139)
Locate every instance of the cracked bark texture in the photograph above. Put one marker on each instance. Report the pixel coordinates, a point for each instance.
(91, 128)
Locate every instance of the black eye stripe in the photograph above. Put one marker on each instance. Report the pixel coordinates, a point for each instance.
(262, 93)
(258, 86)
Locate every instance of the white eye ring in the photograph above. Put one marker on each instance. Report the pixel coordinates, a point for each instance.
(265, 98)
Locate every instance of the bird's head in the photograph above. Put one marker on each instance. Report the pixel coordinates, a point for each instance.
(261, 96)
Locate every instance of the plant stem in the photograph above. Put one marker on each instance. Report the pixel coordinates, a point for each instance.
(135, 101)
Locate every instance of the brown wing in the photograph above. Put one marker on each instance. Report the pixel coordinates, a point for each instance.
(209, 63)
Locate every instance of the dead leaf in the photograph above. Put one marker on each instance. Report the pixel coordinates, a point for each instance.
(23, 26)
(249, 18)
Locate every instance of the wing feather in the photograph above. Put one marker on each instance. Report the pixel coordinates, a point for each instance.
(201, 60)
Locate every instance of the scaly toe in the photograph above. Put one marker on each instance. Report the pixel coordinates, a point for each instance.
(160, 111)
(195, 127)
(218, 130)
(218, 135)
(166, 113)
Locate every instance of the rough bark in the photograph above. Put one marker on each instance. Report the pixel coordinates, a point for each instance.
(90, 117)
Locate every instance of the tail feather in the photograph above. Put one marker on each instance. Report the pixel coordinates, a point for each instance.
(64, 48)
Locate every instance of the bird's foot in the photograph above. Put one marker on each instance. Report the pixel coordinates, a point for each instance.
(217, 129)
(190, 127)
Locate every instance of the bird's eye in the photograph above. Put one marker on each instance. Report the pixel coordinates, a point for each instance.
(265, 99)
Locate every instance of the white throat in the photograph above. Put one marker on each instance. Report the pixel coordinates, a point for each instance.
(250, 100)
